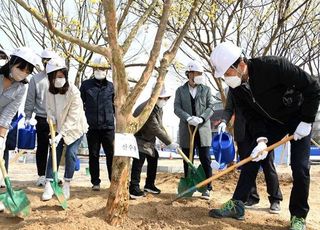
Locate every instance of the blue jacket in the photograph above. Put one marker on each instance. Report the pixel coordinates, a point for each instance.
(98, 101)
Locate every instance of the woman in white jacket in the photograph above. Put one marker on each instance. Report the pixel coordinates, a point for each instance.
(65, 109)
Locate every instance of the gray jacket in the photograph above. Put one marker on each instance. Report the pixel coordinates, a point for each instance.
(146, 136)
(10, 100)
(36, 97)
(204, 109)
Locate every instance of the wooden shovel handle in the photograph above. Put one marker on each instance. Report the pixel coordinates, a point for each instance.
(191, 141)
(3, 168)
(244, 161)
(53, 146)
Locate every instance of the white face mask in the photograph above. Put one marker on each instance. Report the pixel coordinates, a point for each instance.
(59, 82)
(100, 74)
(2, 62)
(199, 80)
(17, 74)
(161, 103)
(233, 81)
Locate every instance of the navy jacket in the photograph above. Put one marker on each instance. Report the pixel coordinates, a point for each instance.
(98, 101)
(277, 91)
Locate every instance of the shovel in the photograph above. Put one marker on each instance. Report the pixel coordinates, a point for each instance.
(55, 183)
(231, 168)
(191, 143)
(195, 176)
(16, 201)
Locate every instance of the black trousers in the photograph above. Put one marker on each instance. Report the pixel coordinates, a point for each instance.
(43, 131)
(96, 138)
(300, 166)
(137, 168)
(246, 187)
(204, 156)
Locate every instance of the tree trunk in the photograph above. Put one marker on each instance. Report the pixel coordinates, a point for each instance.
(118, 198)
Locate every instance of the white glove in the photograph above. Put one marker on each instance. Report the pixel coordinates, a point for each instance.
(260, 146)
(26, 122)
(56, 140)
(198, 120)
(173, 145)
(302, 131)
(222, 127)
(191, 121)
(2, 146)
(215, 165)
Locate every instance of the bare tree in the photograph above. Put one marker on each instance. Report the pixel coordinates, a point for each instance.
(115, 50)
(264, 27)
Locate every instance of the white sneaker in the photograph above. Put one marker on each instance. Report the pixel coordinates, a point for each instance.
(1, 207)
(48, 192)
(66, 189)
(41, 181)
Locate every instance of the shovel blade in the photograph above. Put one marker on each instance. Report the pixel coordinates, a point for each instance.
(185, 184)
(58, 191)
(16, 202)
(198, 177)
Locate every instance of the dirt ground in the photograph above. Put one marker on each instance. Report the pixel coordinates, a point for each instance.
(86, 207)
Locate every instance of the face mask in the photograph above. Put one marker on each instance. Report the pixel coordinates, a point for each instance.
(199, 80)
(100, 74)
(161, 103)
(233, 81)
(2, 62)
(59, 82)
(17, 74)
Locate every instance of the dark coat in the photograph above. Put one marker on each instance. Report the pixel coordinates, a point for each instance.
(146, 136)
(98, 101)
(232, 107)
(277, 91)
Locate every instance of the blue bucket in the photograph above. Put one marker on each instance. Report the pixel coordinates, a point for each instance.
(27, 137)
(223, 148)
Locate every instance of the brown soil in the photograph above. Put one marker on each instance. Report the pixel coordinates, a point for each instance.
(86, 208)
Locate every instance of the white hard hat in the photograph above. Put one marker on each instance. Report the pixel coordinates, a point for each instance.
(28, 55)
(55, 64)
(100, 60)
(165, 92)
(195, 66)
(223, 56)
(47, 53)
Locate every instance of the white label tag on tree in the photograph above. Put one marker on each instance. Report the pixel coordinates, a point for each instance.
(125, 145)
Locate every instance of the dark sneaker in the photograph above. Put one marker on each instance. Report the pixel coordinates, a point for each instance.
(96, 187)
(206, 195)
(297, 223)
(251, 204)
(275, 208)
(233, 209)
(152, 189)
(136, 193)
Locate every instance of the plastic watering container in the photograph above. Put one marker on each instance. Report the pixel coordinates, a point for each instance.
(223, 149)
(27, 137)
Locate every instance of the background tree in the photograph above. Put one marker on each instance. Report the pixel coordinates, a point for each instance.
(117, 46)
(288, 28)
